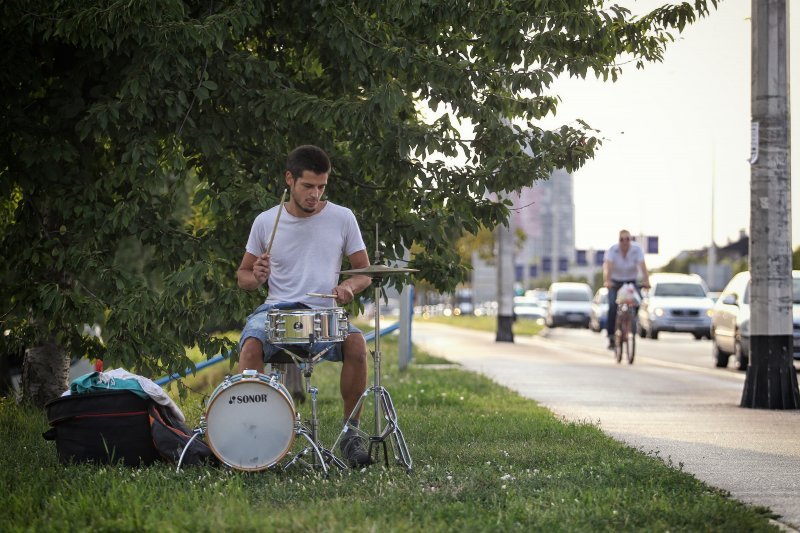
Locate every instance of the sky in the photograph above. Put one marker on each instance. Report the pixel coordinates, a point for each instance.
(673, 133)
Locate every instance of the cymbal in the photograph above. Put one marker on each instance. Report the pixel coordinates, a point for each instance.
(378, 270)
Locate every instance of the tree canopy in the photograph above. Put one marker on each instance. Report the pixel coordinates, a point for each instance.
(140, 139)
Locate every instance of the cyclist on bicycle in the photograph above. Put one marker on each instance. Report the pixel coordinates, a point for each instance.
(621, 265)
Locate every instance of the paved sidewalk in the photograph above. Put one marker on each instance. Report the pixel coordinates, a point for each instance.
(690, 418)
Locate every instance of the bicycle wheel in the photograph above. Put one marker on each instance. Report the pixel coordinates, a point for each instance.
(632, 338)
(619, 338)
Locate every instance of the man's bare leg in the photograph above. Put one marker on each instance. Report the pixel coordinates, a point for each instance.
(353, 379)
(252, 356)
(352, 382)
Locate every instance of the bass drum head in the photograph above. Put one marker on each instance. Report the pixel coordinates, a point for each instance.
(250, 424)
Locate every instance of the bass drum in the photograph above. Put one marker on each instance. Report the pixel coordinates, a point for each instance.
(250, 421)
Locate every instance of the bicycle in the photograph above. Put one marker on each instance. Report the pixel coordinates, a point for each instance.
(625, 327)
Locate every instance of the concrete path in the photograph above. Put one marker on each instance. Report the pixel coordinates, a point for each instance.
(690, 417)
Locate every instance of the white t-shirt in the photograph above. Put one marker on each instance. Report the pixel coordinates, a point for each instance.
(624, 268)
(307, 253)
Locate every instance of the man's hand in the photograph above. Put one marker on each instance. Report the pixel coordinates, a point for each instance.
(344, 294)
(261, 268)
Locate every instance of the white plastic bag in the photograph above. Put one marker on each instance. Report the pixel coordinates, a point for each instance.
(628, 294)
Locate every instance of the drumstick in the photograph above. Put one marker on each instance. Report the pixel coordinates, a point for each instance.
(320, 295)
(275, 227)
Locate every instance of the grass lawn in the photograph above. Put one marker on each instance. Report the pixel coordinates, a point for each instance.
(485, 459)
(521, 326)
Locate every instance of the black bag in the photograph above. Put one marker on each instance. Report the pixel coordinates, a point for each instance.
(170, 437)
(104, 427)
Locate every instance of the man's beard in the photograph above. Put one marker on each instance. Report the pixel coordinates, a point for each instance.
(302, 208)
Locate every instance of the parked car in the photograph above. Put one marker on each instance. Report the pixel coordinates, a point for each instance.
(528, 307)
(599, 313)
(676, 302)
(730, 321)
(539, 295)
(569, 304)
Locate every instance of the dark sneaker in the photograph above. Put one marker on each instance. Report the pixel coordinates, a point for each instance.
(611, 343)
(352, 447)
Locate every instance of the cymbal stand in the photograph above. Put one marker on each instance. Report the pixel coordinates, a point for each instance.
(384, 407)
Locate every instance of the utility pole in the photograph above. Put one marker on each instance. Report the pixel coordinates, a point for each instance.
(505, 283)
(771, 381)
(711, 274)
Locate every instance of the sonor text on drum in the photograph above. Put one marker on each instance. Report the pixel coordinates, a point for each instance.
(249, 398)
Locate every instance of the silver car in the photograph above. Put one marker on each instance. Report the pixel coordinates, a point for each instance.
(730, 324)
(599, 314)
(676, 302)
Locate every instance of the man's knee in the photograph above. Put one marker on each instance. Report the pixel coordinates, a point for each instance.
(252, 354)
(354, 350)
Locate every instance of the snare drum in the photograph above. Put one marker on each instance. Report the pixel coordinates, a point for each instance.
(306, 326)
(250, 421)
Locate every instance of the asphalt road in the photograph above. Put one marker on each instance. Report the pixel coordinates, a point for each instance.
(676, 348)
(671, 402)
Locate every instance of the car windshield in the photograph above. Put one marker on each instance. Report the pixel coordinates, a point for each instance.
(573, 296)
(690, 290)
(795, 292)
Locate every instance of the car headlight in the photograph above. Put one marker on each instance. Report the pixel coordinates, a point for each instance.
(710, 312)
(658, 311)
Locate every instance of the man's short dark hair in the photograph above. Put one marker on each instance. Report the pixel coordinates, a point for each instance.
(308, 157)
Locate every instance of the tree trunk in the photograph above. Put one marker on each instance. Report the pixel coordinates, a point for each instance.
(45, 373)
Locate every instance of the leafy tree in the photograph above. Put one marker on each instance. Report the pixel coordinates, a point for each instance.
(140, 139)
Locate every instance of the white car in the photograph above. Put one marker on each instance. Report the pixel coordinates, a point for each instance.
(569, 304)
(528, 307)
(676, 302)
(730, 324)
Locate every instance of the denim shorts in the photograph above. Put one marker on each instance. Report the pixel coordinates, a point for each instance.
(256, 327)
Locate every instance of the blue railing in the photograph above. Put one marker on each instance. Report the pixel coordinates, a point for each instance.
(221, 357)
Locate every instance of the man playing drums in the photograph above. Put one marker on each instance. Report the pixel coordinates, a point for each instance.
(302, 256)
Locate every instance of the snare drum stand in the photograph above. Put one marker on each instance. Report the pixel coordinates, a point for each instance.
(321, 456)
(383, 404)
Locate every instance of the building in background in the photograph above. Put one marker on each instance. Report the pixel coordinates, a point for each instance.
(545, 215)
